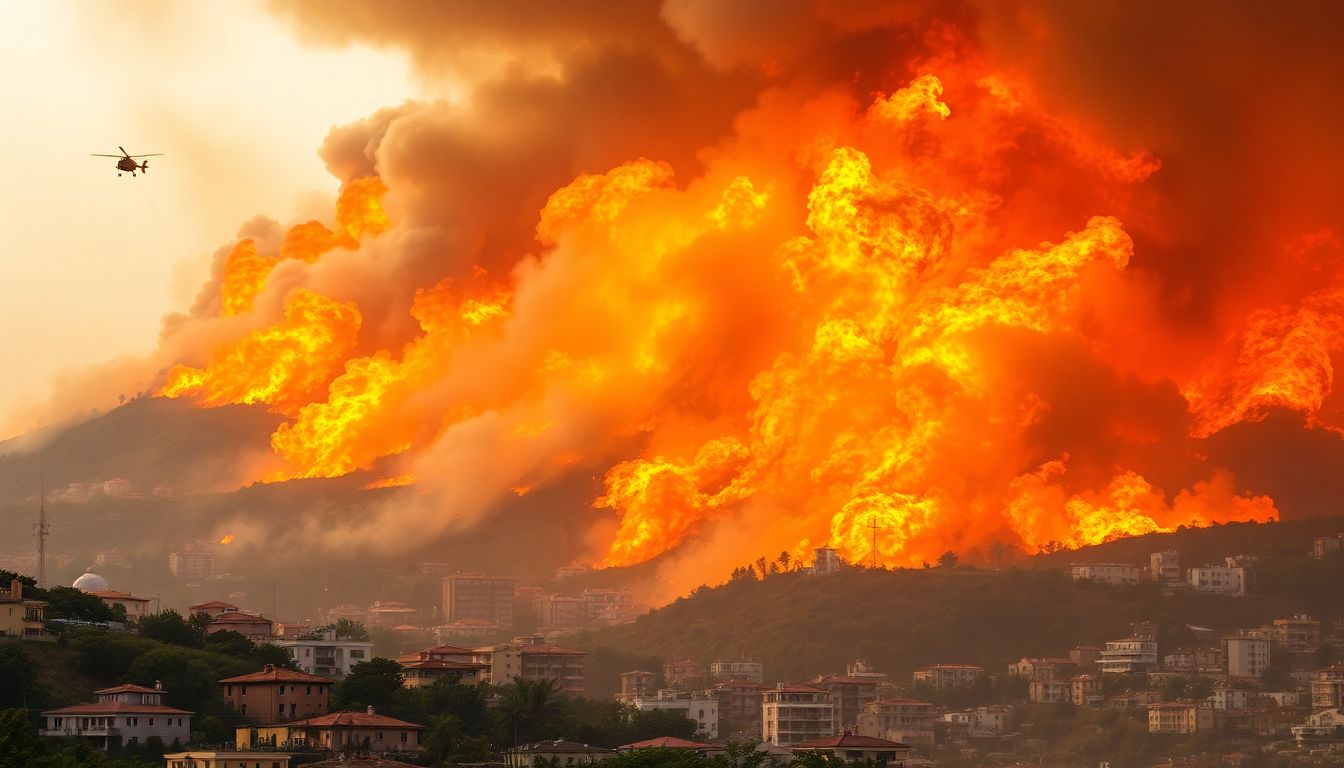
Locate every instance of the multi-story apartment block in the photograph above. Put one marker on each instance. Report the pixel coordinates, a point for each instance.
(327, 655)
(685, 675)
(1247, 653)
(191, 565)
(637, 684)
(1130, 654)
(1164, 566)
(1180, 717)
(849, 695)
(1219, 579)
(1324, 545)
(1327, 687)
(1300, 635)
(740, 705)
(534, 661)
(560, 612)
(1106, 573)
(129, 713)
(604, 607)
(949, 675)
(1049, 691)
(274, 695)
(703, 710)
(904, 720)
(21, 616)
(477, 596)
(1085, 691)
(743, 669)
(792, 714)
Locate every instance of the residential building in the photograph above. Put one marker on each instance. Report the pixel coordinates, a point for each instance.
(191, 565)
(672, 742)
(1219, 579)
(390, 614)
(337, 732)
(904, 720)
(1324, 545)
(534, 661)
(1106, 573)
(739, 707)
(213, 609)
(109, 557)
(1225, 697)
(1050, 691)
(1164, 566)
(1085, 691)
(215, 759)
(1194, 659)
(346, 611)
(129, 714)
(637, 684)
(422, 673)
(559, 612)
(1180, 717)
(949, 675)
(605, 607)
(793, 714)
(849, 695)
(570, 571)
(274, 695)
(21, 616)
(852, 748)
(1133, 699)
(1327, 687)
(742, 669)
(1276, 699)
(704, 710)
(1319, 726)
(136, 608)
(1130, 654)
(686, 675)
(1042, 670)
(326, 655)
(1247, 653)
(477, 596)
(560, 753)
(1299, 635)
(1084, 656)
(249, 625)
(825, 560)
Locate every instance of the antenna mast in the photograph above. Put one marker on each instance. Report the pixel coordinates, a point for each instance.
(873, 525)
(40, 530)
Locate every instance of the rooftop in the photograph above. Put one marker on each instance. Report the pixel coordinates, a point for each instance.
(850, 741)
(352, 720)
(667, 742)
(559, 746)
(271, 674)
(116, 708)
(238, 617)
(128, 688)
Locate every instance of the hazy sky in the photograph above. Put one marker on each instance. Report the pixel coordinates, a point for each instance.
(90, 262)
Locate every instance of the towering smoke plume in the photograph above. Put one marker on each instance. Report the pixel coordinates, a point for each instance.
(782, 274)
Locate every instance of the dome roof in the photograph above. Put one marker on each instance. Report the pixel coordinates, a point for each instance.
(90, 582)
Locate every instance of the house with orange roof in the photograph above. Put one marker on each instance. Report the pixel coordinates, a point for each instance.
(136, 607)
(673, 742)
(276, 694)
(248, 625)
(364, 731)
(852, 748)
(212, 608)
(125, 715)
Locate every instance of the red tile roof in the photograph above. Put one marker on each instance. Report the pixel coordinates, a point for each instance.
(238, 617)
(215, 604)
(116, 708)
(850, 741)
(352, 720)
(667, 742)
(128, 688)
(280, 675)
(445, 650)
(440, 664)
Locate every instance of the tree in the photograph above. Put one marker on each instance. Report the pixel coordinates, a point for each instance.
(349, 630)
(948, 559)
(446, 741)
(374, 683)
(265, 653)
(170, 627)
(71, 603)
(230, 643)
(527, 708)
(785, 559)
(16, 675)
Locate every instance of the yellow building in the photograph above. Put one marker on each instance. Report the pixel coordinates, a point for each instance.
(20, 617)
(337, 732)
(211, 759)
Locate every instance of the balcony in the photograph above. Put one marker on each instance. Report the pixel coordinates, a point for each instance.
(99, 731)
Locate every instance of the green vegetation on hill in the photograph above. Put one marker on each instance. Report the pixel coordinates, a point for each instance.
(801, 625)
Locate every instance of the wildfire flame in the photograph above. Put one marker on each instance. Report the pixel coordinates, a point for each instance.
(226, 539)
(855, 319)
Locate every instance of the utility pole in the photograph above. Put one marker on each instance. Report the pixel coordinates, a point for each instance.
(873, 524)
(40, 530)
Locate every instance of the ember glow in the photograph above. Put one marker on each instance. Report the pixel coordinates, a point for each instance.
(906, 312)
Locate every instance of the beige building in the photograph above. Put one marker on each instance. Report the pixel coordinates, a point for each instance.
(1049, 691)
(20, 616)
(213, 608)
(1219, 579)
(1106, 573)
(336, 732)
(1299, 635)
(248, 625)
(390, 614)
(904, 720)
(686, 675)
(742, 669)
(1324, 545)
(704, 711)
(191, 565)
(212, 759)
(605, 607)
(1327, 687)
(558, 752)
(445, 662)
(534, 661)
(477, 596)
(128, 714)
(1247, 653)
(1137, 653)
(1180, 717)
(849, 695)
(1165, 566)
(273, 695)
(1085, 691)
(949, 675)
(852, 748)
(793, 714)
(637, 684)
(136, 607)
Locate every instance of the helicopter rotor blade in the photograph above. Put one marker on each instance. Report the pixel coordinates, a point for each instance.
(156, 154)
(123, 150)
(106, 155)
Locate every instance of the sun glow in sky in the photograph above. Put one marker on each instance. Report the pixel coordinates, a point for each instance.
(89, 262)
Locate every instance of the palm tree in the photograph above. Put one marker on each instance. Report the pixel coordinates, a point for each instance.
(527, 707)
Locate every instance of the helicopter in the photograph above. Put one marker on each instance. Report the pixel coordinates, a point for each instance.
(126, 161)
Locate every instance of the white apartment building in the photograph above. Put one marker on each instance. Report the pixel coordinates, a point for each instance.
(1247, 653)
(795, 714)
(131, 714)
(751, 671)
(326, 656)
(1219, 579)
(704, 711)
(1106, 573)
(1164, 565)
(1130, 654)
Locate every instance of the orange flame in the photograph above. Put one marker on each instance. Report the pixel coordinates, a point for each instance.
(394, 481)
(226, 539)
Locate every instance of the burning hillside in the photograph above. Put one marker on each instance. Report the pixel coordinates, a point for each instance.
(778, 277)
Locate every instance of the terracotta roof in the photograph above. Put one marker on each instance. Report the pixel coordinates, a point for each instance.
(850, 741)
(128, 688)
(559, 746)
(112, 594)
(796, 689)
(238, 617)
(352, 720)
(447, 649)
(551, 650)
(280, 675)
(667, 742)
(116, 708)
(846, 679)
(440, 664)
(215, 604)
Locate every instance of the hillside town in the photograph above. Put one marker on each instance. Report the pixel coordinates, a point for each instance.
(1277, 688)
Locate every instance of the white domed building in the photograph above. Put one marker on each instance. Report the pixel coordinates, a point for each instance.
(93, 584)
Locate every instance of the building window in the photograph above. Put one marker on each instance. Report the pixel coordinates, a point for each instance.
(282, 689)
